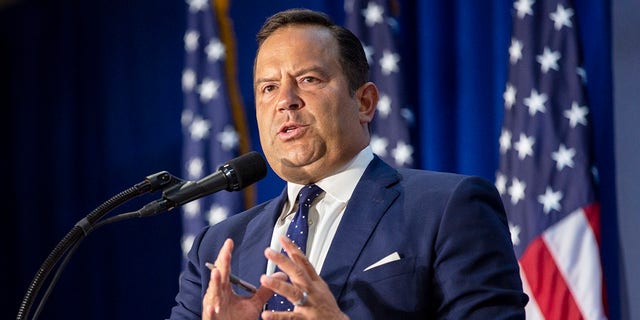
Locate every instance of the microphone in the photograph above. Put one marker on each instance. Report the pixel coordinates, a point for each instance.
(234, 175)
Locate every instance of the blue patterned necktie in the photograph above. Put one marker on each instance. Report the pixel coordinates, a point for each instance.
(297, 232)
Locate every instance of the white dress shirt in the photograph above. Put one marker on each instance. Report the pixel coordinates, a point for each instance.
(326, 212)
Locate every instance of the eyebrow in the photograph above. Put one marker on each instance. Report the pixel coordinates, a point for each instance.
(313, 68)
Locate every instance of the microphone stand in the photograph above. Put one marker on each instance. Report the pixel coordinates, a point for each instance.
(81, 229)
(67, 258)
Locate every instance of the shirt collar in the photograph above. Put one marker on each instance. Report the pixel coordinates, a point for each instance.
(340, 185)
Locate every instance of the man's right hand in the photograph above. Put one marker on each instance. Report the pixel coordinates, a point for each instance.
(220, 302)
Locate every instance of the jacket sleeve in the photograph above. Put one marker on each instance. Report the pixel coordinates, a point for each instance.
(476, 272)
(189, 297)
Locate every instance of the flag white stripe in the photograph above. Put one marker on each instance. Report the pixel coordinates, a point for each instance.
(574, 248)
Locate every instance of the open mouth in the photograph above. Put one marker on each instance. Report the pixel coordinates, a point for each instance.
(291, 131)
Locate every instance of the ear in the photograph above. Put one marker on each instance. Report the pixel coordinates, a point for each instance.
(367, 96)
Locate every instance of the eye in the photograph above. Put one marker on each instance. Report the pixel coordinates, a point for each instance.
(268, 88)
(309, 80)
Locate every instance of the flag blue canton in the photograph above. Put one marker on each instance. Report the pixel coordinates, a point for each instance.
(210, 137)
(375, 25)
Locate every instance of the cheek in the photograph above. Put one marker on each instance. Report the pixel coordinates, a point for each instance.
(261, 119)
(265, 129)
(347, 116)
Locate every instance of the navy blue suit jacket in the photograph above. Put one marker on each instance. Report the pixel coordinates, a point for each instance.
(449, 230)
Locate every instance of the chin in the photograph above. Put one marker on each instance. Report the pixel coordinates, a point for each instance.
(298, 172)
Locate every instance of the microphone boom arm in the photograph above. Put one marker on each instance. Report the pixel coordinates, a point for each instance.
(83, 227)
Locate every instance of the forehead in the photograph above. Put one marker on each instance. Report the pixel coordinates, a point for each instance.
(294, 43)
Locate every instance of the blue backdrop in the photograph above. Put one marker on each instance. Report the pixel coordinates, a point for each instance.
(91, 101)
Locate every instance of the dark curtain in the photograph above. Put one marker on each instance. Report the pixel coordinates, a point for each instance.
(91, 101)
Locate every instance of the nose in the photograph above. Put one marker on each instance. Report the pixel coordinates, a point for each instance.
(289, 98)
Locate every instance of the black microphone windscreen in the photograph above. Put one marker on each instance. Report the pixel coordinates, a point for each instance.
(248, 169)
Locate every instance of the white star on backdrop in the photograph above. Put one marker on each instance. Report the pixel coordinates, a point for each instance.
(505, 140)
(215, 50)
(501, 183)
(199, 128)
(535, 102)
(188, 80)
(373, 14)
(228, 138)
(379, 145)
(192, 209)
(384, 105)
(515, 51)
(515, 233)
(195, 168)
(389, 62)
(191, 38)
(550, 200)
(208, 89)
(561, 17)
(197, 5)
(524, 146)
(563, 157)
(576, 114)
(186, 243)
(402, 153)
(216, 214)
(523, 7)
(368, 51)
(548, 60)
(509, 96)
(516, 190)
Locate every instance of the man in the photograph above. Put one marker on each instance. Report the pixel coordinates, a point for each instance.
(381, 243)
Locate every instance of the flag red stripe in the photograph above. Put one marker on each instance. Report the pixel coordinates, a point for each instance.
(592, 212)
(547, 284)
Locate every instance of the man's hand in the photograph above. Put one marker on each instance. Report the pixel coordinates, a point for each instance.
(220, 302)
(319, 302)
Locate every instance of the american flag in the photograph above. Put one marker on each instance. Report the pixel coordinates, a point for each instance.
(212, 123)
(374, 23)
(546, 176)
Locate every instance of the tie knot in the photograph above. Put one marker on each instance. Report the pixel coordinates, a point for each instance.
(309, 193)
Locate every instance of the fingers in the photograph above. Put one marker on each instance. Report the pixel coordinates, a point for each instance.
(311, 296)
(296, 274)
(269, 285)
(300, 271)
(214, 292)
(277, 283)
(298, 268)
(264, 292)
(219, 280)
(223, 262)
(299, 258)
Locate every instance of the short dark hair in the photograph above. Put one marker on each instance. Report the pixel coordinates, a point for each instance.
(352, 58)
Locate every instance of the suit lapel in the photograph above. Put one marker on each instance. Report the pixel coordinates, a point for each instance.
(367, 205)
(257, 237)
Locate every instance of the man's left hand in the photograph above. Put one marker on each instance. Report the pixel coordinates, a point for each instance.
(311, 295)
